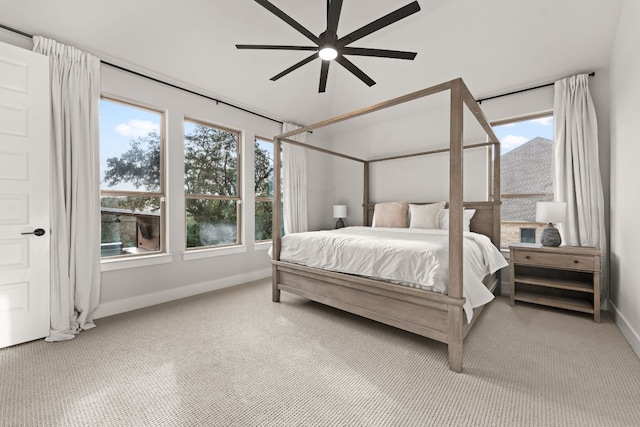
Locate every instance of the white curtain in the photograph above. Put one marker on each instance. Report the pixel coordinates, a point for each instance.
(577, 167)
(294, 177)
(75, 188)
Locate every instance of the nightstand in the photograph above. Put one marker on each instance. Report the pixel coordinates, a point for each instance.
(565, 277)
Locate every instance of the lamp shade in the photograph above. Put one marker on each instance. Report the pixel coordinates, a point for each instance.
(551, 212)
(340, 211)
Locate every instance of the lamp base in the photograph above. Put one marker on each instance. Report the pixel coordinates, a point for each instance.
(550, 236)
(340, 223)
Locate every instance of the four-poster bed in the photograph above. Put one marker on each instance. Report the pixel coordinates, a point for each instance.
(434, 315)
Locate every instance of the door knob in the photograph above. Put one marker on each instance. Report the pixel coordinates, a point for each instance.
(38, 232)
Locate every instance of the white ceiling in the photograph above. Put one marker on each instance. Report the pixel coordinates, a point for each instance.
(494, 45)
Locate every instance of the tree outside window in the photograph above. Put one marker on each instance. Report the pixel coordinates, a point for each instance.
(131, 190)
(263, 159)
(211, 184)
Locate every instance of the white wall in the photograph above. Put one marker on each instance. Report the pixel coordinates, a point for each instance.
(625, 173)
(125, 289)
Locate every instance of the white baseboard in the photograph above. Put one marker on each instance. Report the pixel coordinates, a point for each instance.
(147, 300)
(627, 330)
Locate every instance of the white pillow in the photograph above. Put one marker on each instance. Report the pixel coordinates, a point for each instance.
(425, 216)
(467, 214)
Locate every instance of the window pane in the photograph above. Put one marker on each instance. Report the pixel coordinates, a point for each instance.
(263, 168)
(130, 225)
(210, 160)
(264, 220)
(211, 222)
(526, 168)
(129, 147)
(527, 235)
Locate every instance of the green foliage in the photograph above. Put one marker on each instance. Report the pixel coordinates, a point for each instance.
(139, 166)
(211, 168)
(211, 222)
(263, 172)
(264, 218)
(211, 162)
(263, 188)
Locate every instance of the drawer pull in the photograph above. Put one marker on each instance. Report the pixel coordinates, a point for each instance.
(575, 261)
(527, 257)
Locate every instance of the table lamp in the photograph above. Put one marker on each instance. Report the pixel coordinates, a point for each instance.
(551, 212)
(340, 211)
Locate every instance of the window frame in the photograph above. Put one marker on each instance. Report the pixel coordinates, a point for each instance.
(161, 194)
(504, 196)
(263, 199)
(237, 197)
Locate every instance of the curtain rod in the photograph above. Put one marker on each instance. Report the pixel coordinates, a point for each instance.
(479, 101)
(217, 101)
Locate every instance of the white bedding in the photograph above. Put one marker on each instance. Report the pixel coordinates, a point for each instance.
(414, 257)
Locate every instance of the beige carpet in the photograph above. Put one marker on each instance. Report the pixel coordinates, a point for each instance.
(234, 358)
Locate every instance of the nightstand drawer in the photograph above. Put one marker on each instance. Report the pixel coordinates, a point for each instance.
(568, 261)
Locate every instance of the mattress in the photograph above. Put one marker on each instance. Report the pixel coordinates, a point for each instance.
(412, 257)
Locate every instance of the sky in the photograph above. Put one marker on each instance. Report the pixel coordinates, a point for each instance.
(266, 145)
(513, 135)
(119, 124)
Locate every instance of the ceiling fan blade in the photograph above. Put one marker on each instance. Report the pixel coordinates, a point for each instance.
(380, 53)
(355, 70)
(289, 20)
(294, 67)
(324, 73)
(378, 24)
(333, 16)
(275, 47)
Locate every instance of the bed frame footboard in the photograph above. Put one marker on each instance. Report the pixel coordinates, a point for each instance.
(428, 314)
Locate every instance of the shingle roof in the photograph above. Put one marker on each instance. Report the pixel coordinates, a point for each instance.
(526, 169)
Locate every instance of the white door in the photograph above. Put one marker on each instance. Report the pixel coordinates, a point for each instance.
(24, 195)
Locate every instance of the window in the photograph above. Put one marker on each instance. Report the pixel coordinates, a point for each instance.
(263, 160)
(526, 173)
(131, 179)
(211, 185)
(528, 235)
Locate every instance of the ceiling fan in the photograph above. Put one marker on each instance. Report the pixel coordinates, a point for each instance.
(328, 46)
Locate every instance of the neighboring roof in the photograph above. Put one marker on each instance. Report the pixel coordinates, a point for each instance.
(526, 169)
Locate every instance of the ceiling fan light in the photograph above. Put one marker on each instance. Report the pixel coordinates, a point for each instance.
(328, 53)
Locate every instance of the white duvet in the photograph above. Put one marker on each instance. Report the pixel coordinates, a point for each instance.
(414, 257)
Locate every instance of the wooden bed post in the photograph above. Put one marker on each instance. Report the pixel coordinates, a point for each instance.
(365, 195)
(496, 195)
(455, 225)
(277, 215)
(497, 206)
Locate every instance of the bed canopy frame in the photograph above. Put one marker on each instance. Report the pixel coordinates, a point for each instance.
(429, 314)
